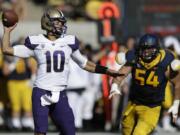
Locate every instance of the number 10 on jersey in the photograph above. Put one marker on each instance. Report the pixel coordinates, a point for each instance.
(55, 59)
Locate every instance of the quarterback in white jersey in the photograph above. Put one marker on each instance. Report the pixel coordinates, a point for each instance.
(52, 52)
(53, 59)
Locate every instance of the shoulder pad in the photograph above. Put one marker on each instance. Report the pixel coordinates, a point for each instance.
(166, 58)
(170, 54)
(130, 56)
(74, 44)
(28, 43)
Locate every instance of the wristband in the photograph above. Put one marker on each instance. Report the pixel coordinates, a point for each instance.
(100, 69)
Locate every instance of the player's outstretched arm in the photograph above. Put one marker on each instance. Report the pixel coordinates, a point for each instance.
(89, 66)
(17, 50)
(6, 48)
(175, 107)
(125, 70)
(94, 68)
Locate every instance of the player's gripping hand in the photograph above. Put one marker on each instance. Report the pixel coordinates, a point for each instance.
(174, 110)
(113, 73)
(9, 29)
(114, 90)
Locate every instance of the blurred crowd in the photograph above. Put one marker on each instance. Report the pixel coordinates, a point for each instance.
(86, 93)
(76, 9)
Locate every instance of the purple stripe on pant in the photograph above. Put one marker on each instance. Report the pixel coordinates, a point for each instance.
(60, 112)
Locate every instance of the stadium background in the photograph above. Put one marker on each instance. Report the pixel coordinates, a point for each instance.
(135, 18)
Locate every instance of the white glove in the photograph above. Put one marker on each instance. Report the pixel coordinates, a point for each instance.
(174, 110)
(114, 90)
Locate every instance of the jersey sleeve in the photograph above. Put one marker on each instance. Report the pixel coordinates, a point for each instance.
(22, 51)
(26, 50)
(79, 58)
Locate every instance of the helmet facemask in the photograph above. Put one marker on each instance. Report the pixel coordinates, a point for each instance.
(148, 54)
(148, 48)
(58, 27)
(54, 22)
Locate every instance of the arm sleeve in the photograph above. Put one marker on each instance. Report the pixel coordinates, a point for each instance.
(79, 58)
(22, 51)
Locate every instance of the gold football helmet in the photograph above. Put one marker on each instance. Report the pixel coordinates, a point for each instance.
(54, 21)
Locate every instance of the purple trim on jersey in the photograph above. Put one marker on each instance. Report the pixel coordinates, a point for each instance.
(75, 46)
(29, 45)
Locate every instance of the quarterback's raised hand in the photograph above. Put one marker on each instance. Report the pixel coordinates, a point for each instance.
(114, 90)
(9, 29)
(174, 110)
(6, 47)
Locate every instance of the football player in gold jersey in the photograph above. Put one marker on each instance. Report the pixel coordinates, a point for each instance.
(149, 66)
(18, 72)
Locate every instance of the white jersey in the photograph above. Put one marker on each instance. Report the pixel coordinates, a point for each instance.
(52, 58)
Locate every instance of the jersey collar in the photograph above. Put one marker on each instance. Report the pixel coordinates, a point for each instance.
(156, 61)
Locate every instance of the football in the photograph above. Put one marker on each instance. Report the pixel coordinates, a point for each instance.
(9, 18)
